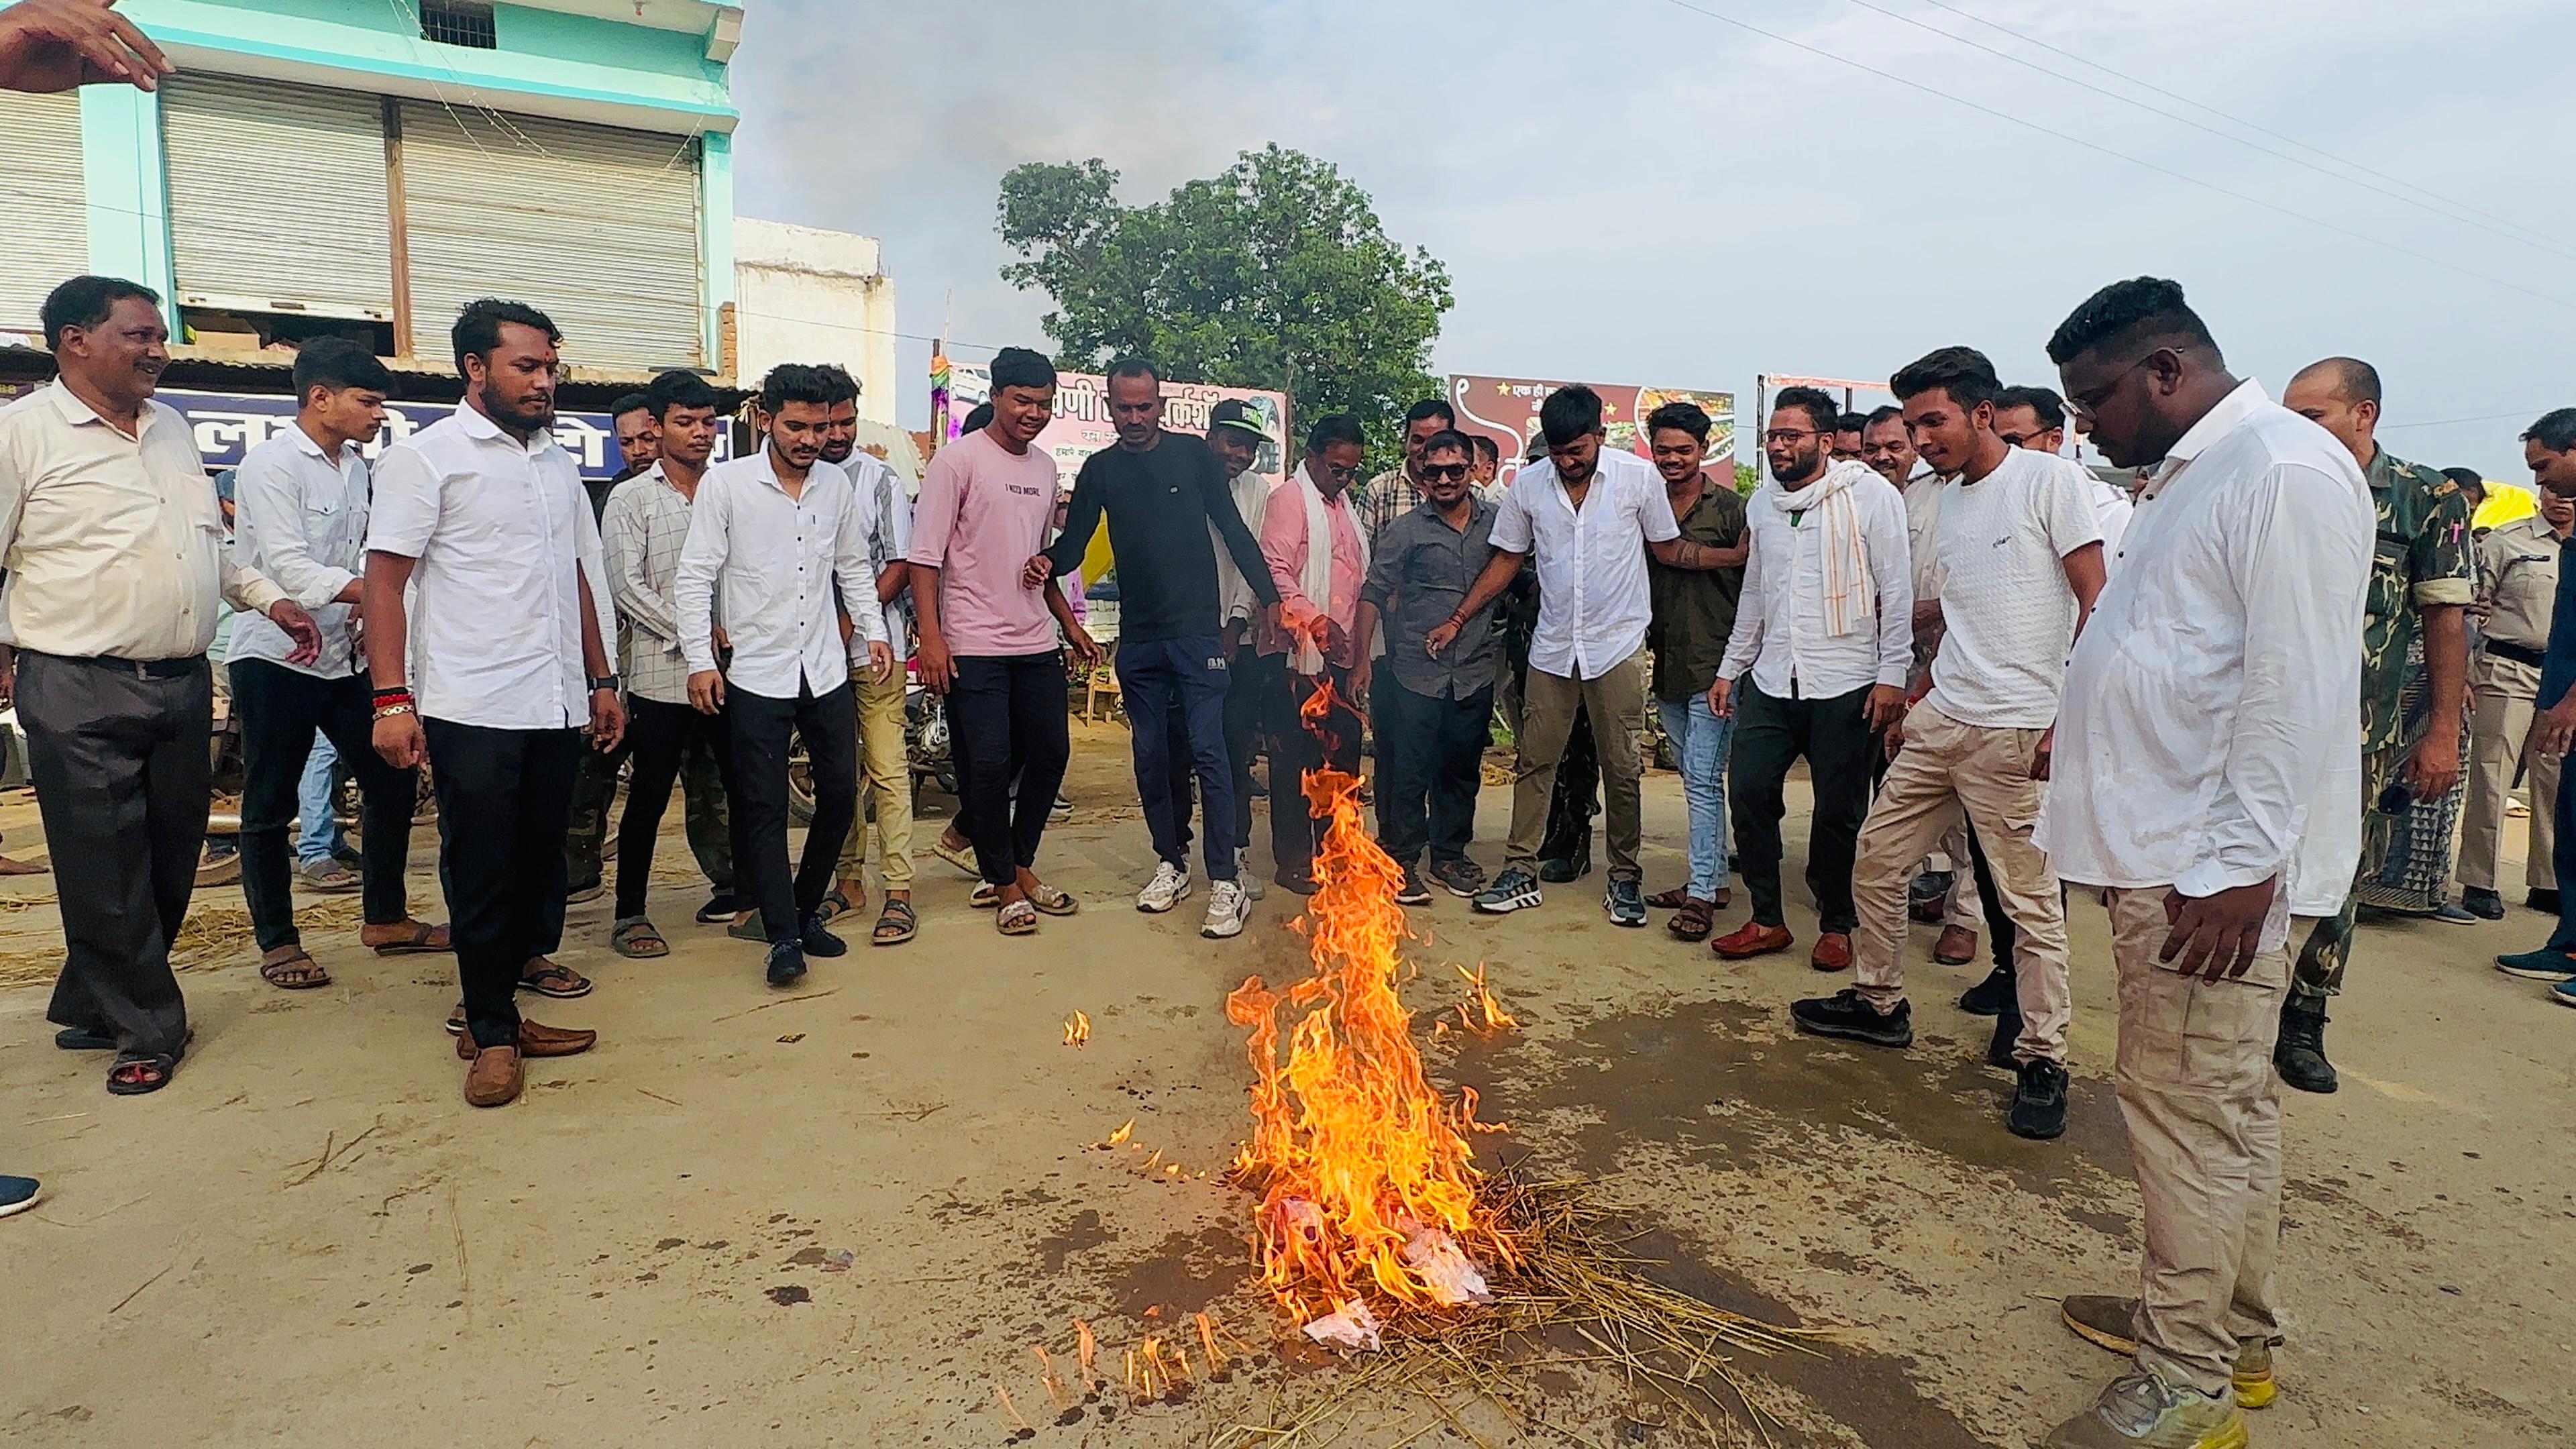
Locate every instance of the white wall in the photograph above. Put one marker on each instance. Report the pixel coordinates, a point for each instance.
(804, 295)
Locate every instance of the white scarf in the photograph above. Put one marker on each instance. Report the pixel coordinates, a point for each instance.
(1843, 553)
(1315, 578)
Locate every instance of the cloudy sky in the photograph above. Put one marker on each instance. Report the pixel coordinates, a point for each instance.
(1638, 191)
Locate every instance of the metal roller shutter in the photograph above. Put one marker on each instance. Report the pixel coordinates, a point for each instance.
(46, 240)
(595, 226)
(277, 197)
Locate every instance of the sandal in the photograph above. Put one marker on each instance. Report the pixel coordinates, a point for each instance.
(1019, 918)
(298, 972)
(960, 856)
(554, 979)
(74, 1039)
(137, 1073)
(423, 939)
(895, 924)
(1693, 920)
(748, 929)
(983, 897)
(1053, 901)
(838, 903)
(635, 939)
(329, 877)
(1670, 900)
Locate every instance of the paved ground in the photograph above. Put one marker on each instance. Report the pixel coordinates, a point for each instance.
(309, 1239)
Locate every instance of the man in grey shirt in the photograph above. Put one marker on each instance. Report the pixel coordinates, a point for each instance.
(1433, 713)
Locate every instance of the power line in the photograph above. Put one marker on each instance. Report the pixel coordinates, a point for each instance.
(2095, 146)
(2480, 418)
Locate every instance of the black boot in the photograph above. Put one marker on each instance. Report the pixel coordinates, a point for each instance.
(2301, 1054)
(1998, 994)
(1999, 1048)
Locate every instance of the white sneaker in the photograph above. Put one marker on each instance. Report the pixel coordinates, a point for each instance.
(1226, 910)
(1253, 885)
(1165, 890)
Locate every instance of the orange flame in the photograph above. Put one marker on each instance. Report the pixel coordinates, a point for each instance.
(1085, 1348)
(1077, 1030)
(1352, 1147)
(1487, 1014)
(1207, 1342)
(1009, 1408)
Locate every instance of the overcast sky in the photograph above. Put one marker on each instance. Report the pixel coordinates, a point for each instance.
(1632, 191)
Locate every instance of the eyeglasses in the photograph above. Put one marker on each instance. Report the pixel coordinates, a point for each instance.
(2081, 405)
(1443, 472)
(1786, 436)
(1346, 474)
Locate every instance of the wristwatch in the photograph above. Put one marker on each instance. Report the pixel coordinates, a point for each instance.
(604, 681)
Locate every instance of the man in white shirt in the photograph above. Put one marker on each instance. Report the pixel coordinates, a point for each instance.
(300, 518)
(781, 533)
(2021, 559)
(885, 760)
(114, 546)
(1590, 518)
(2206, 776)
(1236, 435)
(487, 642)
(2035, 418)
(1826, 634)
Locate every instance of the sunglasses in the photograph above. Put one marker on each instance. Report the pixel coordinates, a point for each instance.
(1345, 474)
(1443, 472)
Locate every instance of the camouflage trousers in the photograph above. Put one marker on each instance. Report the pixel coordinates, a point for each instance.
(594, 792)
(2321, 961)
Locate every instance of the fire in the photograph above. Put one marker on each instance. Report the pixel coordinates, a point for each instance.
(1482, 1011)
(1366, 1172)
(1077, 1030)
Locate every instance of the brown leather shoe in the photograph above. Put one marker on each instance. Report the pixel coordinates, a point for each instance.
(1752, 939)
(1833, 952)
(495, 1078)
(1957, 946)
(538, 1040)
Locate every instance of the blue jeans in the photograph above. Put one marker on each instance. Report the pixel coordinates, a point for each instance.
(317, 837)
(1176, 691)
(1699, 741)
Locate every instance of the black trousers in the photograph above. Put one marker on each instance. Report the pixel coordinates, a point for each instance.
(1834, 736)
(1007, 717)
(1577, 797)
(2000, 931)
(504, 797)
(279, 709)
(760, 730)
(1430, 753)
(119, 755)
(1298, 747)
(1251, 683)
(660, 738)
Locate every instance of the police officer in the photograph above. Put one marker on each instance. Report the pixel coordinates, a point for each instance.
(2421, 582)
(2517, 582)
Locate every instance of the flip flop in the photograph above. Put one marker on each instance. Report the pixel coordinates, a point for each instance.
(1053, 901)
(983, 897)
(424, 940)
(962, 857)
(305, 972)
(73, 1039)
(126, 1079)
(554, 979)
(1019, 918)
(895, 924)
(635, 939)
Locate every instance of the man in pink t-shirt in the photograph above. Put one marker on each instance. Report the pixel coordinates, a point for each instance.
(1312, 510)
(988, 641)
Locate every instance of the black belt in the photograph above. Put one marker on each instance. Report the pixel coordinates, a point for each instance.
(2518, 653)
(132, 668)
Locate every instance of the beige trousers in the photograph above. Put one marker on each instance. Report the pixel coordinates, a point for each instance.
(2500, 709)
(885, 777)
(1945, 767)
(1616, 701)
(2197, 1089)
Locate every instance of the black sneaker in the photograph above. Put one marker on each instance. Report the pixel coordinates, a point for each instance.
(1846, 1016)
(819, 942)
(2039, 1102)
(1994, 996)
(2301, 1052)
(1511, 891)
(718, 910)
(2485, 905)
(786, 963)
(1929, 885)
(1627, 907)
(1412, 892)
(1567, 868)
(1296, 882)
(1462, 877)
(1999, 1048)
(2545, 902)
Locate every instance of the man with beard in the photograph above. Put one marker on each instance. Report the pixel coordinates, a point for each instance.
(639, 442)
(2020, 550)
(478, 518)
(2207, 780)
(1825, 633)
(117, 567)
(1848, 428)
(1165, 499)
(1236, 436)
(1694, 615)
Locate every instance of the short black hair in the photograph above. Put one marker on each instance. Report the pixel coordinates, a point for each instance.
(1020, 367)
(795, 382)
(1486, 446)
(633, 402)
(85, 302)
(1962, 372)
(978, 418)
(1888, 414)
(1851, 422)
(1335, 428)
(1569, 413)
(2555, 431)
(2043, 402)
(1431, 407)
(842, 387)
(677, 388)
(478, 327)
(2126, 316)
(1446, 439)
(2357, 380)
(1135, 365)
(1823, 413)
(337, 364)
(1687, 417)
(2469, 479)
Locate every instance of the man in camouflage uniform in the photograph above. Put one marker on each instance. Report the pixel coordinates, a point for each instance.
(2422, 579)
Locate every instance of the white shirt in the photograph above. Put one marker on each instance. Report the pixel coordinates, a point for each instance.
(2210, 734)
(505, 539)
(114, 545)
(1234, 596)
(2111, 513)
(1782, 636)
(2008, 613)
(776, 560)
(888, 504)
(300, 519)
(1593, 599)
(1922, 530)
(642, 530)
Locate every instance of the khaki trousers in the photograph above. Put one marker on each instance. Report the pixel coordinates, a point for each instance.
(2500, 709)
(2197, 1089)
(1945, 767)
(885, 777)
(1616, 702)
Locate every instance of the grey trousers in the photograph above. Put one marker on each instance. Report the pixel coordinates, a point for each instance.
(122, 769)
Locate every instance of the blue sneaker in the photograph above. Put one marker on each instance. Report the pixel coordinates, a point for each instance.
(17, 1194)
(786, 962)
(2564, 993)
(1513, 890)
(2541, 965)
(1625, 905)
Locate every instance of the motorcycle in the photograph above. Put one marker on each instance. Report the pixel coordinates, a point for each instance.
(926, 748)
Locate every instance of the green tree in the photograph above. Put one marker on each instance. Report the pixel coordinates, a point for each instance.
(1275, 274)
